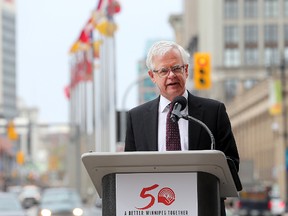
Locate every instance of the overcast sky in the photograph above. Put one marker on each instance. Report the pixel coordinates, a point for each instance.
(46, 29)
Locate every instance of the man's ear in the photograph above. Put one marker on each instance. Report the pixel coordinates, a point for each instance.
(186, 70)
(152, 76)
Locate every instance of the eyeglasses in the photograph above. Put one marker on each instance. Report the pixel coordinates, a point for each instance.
(163, 72)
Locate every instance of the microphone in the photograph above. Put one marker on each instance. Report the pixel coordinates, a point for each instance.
(179, 103)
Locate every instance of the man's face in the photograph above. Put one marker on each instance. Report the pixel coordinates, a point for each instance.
(172, 84)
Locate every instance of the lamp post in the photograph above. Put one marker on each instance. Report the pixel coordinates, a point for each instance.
(3, 123)
(140, 79)
(284, 118)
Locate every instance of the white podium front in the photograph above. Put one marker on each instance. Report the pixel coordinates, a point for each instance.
(160, 183)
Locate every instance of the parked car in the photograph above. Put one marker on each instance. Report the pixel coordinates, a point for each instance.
(60, 202)
(260, 201)
(16, 189)
(30, 196)
(10, 205)
(277, 206)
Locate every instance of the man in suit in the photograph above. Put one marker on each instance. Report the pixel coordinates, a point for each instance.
(167, 64)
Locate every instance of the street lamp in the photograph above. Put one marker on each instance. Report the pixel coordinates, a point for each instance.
(140, 79)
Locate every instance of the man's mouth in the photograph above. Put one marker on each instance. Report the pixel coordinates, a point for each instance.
(172, 84)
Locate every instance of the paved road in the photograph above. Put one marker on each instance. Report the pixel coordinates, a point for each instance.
(94, 212)
(88, 211)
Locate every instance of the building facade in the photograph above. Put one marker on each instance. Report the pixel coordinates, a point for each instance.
(8, 60)
(244, 38)
(247, 41)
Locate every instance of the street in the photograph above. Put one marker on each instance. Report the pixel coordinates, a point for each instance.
(88, 211)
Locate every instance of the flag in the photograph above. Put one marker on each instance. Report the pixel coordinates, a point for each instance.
(67, 91)
(84, 37)
(75, 47)
(96, 47)
(275, 97)
(113, 8)
(81, 68)
(99, 6)
(106, 27)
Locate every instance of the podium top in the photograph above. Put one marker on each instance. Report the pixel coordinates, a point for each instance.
(99, 164)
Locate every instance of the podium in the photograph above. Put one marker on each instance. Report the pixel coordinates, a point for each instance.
(160, 183)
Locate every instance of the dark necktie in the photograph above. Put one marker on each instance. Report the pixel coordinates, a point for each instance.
(172, 134)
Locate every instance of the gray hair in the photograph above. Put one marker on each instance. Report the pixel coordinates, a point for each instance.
(160, 48)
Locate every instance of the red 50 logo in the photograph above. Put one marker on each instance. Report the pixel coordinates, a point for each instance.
(165, 195)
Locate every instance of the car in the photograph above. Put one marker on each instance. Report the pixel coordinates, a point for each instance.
(277, 206)
(16, 189)
(260, 201)
(10, 205)
(61, 202)
(30, 196)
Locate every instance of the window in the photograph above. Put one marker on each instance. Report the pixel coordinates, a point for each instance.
(286, 35)
(286, 8)
(250, 34)
(250, 56)
(286, 42)
(231, 9)
(250, 8)
(230, 88)
(249, 83)
(270, 35)
(250, 45)
(231, 57)
(271, 8)
(286, 54)
(271, 56)
(231, 35)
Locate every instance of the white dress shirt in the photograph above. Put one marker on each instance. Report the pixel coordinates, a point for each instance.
(183, 124)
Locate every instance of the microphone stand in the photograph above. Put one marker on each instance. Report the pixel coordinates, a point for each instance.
(177, 115)
(190, 118)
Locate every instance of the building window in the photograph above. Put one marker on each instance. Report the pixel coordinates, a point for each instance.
(250, 56)
(249, 83)
(250, 35)
(230, 9)
(286, 35)
(231, 57)
(286, 8)
(230, 88)
(231, 35)
(271, 56)
(286, 42)
(250, 8)
(270, 35)
(286, 54)
(271, 8)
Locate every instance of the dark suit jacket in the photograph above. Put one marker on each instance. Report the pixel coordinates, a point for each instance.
(142, 127)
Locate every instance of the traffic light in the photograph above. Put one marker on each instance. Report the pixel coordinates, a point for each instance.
(20, 158)
(202, 71)
(11, 132)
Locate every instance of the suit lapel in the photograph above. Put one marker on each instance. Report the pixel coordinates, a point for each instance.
(151, 125)
(194, 110)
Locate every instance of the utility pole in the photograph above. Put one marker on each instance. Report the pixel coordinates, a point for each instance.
(284, 118)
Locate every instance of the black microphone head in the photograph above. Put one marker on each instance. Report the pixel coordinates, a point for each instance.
(181, 100)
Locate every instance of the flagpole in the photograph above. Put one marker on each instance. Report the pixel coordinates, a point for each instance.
(93, 88)
(111, 96)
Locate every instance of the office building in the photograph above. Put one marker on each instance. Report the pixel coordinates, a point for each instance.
(8, 88)
(247, 41)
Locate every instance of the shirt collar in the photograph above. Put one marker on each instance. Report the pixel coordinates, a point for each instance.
(164, 102)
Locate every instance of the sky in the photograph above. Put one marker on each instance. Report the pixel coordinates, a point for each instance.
(46, 29)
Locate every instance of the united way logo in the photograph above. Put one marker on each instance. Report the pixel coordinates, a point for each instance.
(165, 195)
